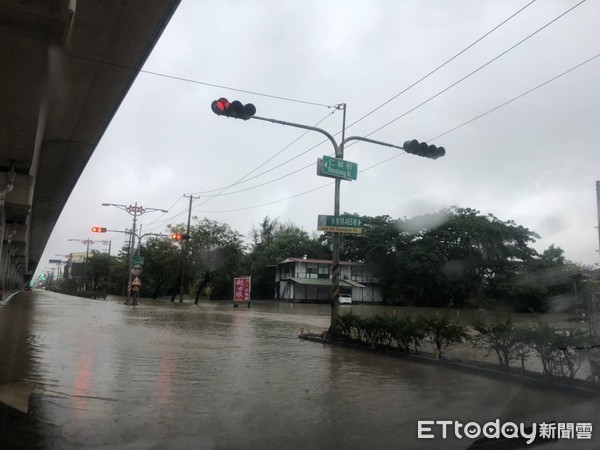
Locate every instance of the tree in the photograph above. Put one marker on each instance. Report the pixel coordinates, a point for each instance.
(162, 261)
(215, 258)
(501, 338)
(442, 332)
(272, 243)
(453, 257)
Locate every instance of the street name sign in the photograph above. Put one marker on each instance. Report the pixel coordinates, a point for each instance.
(340, 224)
(336, 168)
(138, 260)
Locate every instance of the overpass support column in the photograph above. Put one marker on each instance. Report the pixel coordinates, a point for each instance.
(4, 190)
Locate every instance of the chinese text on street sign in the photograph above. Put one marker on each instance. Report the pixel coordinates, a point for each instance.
(336, 168)
(340, 224)
(241, 289)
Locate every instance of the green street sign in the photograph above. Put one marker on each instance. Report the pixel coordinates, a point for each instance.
(340, 224)
(138, 260)
(336, 168)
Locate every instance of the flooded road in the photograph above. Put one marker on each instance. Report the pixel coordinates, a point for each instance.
(169, 376)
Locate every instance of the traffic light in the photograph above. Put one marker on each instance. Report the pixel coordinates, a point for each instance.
(235, 109)
(99, 229)
(415, 147)
(179, 236)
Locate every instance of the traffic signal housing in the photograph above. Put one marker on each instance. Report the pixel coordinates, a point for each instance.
(235, 109)
(415, 147)
(179, 236)
(99, 229)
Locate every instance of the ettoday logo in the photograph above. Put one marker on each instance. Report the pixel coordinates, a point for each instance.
(430, 429)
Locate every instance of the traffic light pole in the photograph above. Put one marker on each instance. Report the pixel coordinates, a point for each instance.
(334, 293)
(237, 110)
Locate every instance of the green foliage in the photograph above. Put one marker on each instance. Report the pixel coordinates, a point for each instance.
(441, 332)
(499, 337)
(272, 243)
(215, 256)
(162, 266)
(458, 257)
(383, 331)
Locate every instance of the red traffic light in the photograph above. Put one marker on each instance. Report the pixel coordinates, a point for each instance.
(220, 106)
(99, 229)
(235, 109)
(178, 236)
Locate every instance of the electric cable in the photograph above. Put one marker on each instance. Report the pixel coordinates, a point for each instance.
(414, 84)
(431, 139)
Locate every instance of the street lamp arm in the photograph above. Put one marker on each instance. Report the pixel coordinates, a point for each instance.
(372, 141)
(123, 207)
(155, 209)
(305, 127)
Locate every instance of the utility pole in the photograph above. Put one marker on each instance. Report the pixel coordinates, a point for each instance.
(184, 246)
(598, 208)
(135, 211)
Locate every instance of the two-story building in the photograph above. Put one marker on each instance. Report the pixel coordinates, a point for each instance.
(307, 280)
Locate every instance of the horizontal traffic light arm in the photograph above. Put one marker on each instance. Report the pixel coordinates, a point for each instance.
(372, 141)
(305, 127)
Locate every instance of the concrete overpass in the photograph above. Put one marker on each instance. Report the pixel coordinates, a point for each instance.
(66, 65)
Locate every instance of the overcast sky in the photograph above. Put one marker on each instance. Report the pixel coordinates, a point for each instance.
(534, 160)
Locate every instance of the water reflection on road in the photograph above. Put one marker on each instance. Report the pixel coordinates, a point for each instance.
(163, 375)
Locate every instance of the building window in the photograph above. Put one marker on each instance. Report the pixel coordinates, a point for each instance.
(323, 271)
(357, 273)
(311, 271)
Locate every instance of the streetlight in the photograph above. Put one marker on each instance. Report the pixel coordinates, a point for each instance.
(133, 210)
(237, 110)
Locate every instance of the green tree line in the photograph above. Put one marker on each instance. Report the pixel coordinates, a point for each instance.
(455, 257)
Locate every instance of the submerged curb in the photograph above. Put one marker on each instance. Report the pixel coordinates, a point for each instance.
(530, 379)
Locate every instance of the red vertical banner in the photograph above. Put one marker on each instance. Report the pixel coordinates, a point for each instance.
(241, 290)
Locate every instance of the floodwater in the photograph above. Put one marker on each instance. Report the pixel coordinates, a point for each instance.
(175, 376)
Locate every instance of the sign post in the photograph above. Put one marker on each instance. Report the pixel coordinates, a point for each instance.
(241, 290)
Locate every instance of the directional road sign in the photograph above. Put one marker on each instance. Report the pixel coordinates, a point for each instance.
(340, 224)
(138, 260)
(336, 168)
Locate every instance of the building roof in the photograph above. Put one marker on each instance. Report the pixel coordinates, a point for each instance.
(321, 261)
(325, 282)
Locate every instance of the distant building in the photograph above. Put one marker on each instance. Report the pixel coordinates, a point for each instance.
(75, 266)
(306, 280)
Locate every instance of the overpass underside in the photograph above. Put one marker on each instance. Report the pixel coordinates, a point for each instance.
(66, 67)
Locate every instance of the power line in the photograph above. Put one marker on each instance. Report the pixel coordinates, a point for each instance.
(262, 164)
(388, 101)
(203, 83)
(443, 64)
(417, 82)
(229, 88)
(179, 214)
(269, 203)
(478, 69)
(517, 97)
(440, 135)
(431, 139)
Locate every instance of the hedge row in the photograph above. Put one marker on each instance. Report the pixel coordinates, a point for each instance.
(560, 351)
